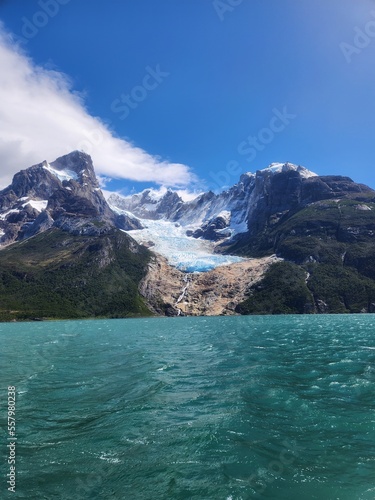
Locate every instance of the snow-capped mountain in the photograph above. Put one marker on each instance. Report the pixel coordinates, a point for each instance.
(278, 168)
(149, 204)
(64, 193)
(193, 235)
(244, 219)
(75, 251)
(211, 216)
(189, 233)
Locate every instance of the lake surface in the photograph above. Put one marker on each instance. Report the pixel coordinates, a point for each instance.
(223, 408)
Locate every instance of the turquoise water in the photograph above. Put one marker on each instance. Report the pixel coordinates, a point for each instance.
(223, 408)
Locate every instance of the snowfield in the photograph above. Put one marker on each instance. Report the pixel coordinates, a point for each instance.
(185, 253)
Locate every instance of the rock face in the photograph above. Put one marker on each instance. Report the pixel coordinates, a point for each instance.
(148, 205)
(63, 194)
(281, 195)
(215, 229)
(292, 207)
(171, 292)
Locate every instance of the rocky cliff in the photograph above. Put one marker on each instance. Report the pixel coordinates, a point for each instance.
(64, 193)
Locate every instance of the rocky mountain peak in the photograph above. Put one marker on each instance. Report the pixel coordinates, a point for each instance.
(35, 181)
(278, 168)
(64, 193)
(77, 166)
(148, 204)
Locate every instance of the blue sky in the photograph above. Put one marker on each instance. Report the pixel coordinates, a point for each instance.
(198, 91)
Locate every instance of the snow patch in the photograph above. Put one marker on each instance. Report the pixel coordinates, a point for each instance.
(305, 173)
(120, 211)
(5, 215)
(62, 175)
(238, 227)
(226, 215)
(277, 168)
(39, 205)
(363, 207)
(157, 194)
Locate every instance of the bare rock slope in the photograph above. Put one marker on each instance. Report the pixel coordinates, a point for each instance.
(172, 292)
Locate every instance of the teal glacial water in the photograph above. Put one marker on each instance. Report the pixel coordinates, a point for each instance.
(224, 408)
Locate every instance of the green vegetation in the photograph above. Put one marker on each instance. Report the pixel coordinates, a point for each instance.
(362, 257)
(282, 291)
(331, 242)
(58, 275)
(288, 288)
(342, 289)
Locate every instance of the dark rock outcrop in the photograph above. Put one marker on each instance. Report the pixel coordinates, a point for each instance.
(215, 229)
(64, 194)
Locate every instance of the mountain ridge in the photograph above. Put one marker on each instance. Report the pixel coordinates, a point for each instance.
(257, 201)
(66, 191)
(312, 235)
(323, 227)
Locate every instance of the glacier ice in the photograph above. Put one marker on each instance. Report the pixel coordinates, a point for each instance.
(183, 252)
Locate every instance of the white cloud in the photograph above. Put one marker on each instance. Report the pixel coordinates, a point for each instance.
(41, 118)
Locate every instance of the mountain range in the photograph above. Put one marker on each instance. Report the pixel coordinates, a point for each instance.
(281, 240)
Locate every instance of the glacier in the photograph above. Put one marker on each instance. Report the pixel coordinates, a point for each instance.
(186, 232)
(186, 253)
